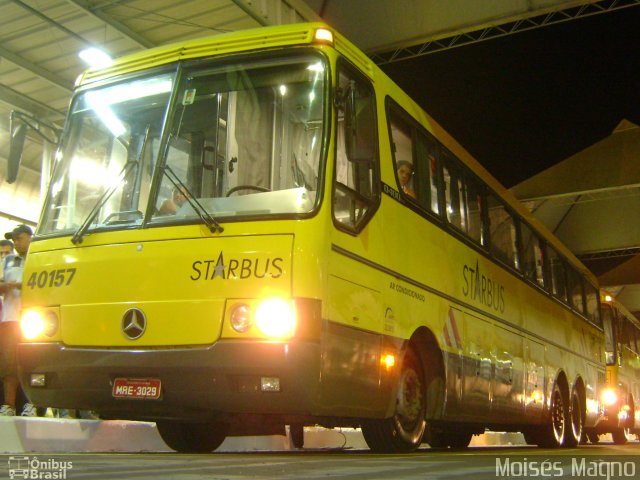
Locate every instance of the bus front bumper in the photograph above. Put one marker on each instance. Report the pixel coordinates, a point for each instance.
(229, 377)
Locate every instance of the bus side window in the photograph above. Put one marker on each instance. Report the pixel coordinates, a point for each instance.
(610, 334)
(403, 155)
(591, 301)
(473, 203)
(558, 275)
(412, 144)
(576, 293)
(532, 256)
(502, 232)
(426, 176)
(454, 196)
(356, 185)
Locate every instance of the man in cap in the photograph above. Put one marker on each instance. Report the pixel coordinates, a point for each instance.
(10, 288)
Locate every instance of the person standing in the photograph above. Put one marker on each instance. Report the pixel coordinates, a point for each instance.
(10, 289)
(6, 248)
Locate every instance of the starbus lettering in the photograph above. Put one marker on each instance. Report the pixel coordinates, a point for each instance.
(482, 289)
(236, 268)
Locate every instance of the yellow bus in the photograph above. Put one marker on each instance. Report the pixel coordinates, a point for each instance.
(621, 399)
(226, 248)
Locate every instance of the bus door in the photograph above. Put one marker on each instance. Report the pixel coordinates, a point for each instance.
(352, 342)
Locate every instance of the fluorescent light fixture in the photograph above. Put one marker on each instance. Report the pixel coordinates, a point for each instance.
(95, 58)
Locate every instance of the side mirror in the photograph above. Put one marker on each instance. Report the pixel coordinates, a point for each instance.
(16, 147)
(359, 126)
(19, 123)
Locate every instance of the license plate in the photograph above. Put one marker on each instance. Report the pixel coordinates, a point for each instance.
(137, 388)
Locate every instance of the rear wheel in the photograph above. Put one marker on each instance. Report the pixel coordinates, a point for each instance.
(621, 436)
(554, 433)
(404, 431)
(577, 421)
(296, 432)
(459, 439)
(192, 437)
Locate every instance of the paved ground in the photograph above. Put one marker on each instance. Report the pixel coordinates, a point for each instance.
(592, 461)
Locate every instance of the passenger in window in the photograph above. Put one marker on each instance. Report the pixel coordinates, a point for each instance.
(405, 176)
(171, 205)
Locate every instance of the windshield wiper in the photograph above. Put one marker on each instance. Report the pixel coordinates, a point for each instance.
(77, 237)
(204, 215)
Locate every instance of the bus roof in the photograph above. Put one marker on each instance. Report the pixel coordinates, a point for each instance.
(228, 43)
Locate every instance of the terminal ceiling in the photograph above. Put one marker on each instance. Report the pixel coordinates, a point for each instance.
(40, 41)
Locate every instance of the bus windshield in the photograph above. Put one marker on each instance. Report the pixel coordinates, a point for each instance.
(243, 140)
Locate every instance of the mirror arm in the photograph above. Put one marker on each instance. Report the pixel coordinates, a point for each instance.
(35, 125)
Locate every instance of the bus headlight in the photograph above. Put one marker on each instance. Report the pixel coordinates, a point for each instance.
(276, 318)
(241, 320)
(609, 397)
(35, 323)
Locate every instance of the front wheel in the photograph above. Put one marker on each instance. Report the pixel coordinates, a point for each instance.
(192, 437)
(403, 432)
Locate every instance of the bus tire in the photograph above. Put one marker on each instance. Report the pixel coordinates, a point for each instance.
(404, 431)
(574, 435)
(621, 435)
(296, 432)
(459, 440)
(186, 437)
(554, 433)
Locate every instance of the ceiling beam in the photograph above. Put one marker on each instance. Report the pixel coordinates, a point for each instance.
(37, 70)
(305, 11)
(52, 22)
(521, 25)
(278, 12)
(28, 104)
(135, 37)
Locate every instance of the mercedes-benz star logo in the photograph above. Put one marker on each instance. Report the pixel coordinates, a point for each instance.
(134, 323)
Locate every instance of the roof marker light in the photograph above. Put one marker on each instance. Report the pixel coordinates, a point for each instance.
(323, 35)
